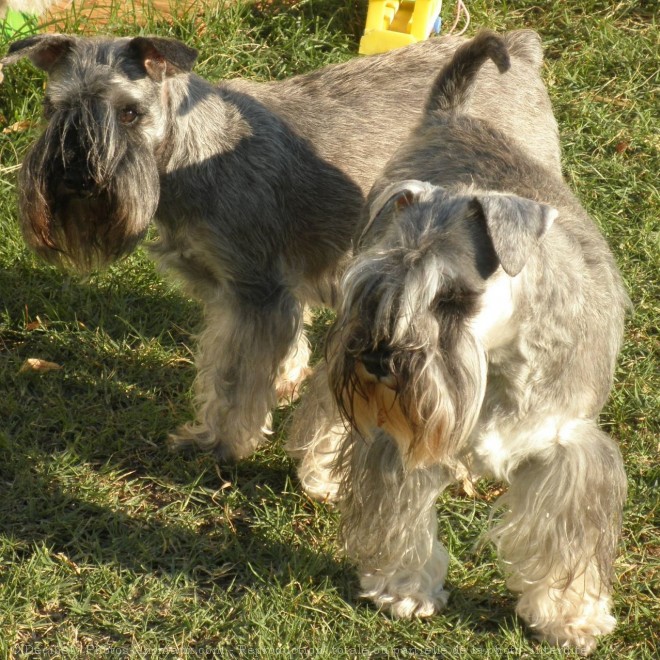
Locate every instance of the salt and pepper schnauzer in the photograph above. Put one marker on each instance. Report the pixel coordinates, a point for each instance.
(478, 335)
(255, 189)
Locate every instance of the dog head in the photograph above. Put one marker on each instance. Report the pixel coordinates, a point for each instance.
(430, 294)
(90, 186)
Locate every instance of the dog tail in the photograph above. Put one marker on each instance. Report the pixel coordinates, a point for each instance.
(454, 85)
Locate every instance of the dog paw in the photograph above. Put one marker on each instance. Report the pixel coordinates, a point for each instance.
(320, 489)
(288, 389)
(581, 634)
(418, 605)
(318, 479)
(201, 437)
(400, 601)
(575, 621)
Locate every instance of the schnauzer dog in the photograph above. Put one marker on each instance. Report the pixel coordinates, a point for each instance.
(255, 189)
(478, 333)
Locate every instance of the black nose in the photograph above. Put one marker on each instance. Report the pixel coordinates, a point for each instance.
(377, 363)
(78, 182)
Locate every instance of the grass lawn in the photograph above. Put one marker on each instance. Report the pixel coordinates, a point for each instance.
(108, 543)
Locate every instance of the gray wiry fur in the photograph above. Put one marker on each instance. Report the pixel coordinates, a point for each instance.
(478, 333)
(256, 189)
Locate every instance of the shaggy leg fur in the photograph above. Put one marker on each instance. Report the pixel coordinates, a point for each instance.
(315, 434)
(293, 371)
(558, 539)
(389, 526)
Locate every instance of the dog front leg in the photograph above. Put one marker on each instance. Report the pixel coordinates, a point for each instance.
(389, 526)
(558, 539)
(239, 358)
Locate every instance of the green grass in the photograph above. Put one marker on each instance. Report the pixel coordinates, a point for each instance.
(107, 541)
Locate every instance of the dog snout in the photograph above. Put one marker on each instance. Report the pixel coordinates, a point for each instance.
(76, 181)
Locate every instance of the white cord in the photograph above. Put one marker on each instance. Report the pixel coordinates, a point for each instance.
(461, 8)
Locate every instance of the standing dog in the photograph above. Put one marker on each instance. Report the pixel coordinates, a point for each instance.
(255, 189)
(478, 334)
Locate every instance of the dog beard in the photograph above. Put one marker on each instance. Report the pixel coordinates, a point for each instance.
(101, 221)
(429, 405)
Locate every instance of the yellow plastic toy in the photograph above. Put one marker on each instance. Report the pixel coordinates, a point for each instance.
(392, 24)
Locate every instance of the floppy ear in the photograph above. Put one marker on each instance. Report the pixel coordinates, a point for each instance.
(394, 197)
(44, 50)
(516, 226)
(162, 58)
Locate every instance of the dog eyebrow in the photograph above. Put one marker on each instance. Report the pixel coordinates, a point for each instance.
(122, 99)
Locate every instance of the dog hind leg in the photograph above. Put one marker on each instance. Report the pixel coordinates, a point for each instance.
(315, 434)
(294, 369)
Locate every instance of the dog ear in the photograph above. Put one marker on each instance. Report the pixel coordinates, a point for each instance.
(162, 58)
(394, 197)
(44, 50)
(516, 226)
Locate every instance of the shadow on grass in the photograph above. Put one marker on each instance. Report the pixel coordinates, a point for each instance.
(125, 367)
(107, 411)
(130, 298)
(481, 610)
(38, 512)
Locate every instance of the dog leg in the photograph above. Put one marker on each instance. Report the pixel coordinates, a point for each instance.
(389, 527)
(315, 434)
(294, 370)
(239, 358)
(559, 537)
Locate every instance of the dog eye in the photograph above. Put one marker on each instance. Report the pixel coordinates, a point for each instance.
(128, 115)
